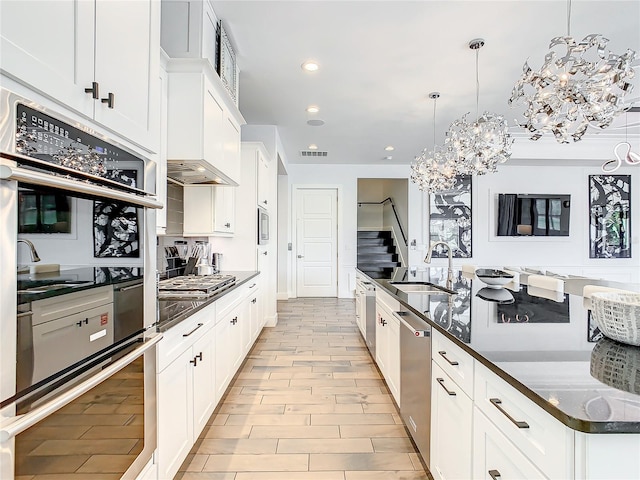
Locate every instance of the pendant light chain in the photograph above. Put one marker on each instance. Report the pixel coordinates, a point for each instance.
(568, 18)
(435, 101)
(477, 85)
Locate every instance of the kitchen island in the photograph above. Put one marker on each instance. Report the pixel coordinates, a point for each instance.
(520, 355)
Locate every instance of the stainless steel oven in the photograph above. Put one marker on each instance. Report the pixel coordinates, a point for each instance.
(78, 333)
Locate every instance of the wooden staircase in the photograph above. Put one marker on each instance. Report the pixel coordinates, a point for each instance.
(377, 255)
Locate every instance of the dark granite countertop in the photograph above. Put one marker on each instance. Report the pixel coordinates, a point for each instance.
(543, 344)
(32, 287)
(171, 312)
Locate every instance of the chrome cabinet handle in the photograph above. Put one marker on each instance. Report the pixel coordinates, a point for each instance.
(443, 354)
(497, 402)
(495, 474)
(93, 90)
(449, 392)
(110, 100)
(125, 289)
(187, 334)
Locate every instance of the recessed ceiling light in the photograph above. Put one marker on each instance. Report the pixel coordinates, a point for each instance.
(389, 148)
(315, 122)
(313, 146)
(313, 109)
(310, 66)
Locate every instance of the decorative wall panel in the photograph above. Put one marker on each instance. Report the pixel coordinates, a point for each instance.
(609, 216)
(450, 219)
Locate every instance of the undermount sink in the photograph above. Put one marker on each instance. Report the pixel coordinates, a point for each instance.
(421, 287)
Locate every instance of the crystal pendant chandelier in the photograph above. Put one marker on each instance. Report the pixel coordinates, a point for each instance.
(575, 90)
(483, 144)
(434, 170)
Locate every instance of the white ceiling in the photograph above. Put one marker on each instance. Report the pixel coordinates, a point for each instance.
(380, 59)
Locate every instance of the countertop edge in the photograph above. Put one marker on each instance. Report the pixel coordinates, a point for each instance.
(580, 425)
(183, 316)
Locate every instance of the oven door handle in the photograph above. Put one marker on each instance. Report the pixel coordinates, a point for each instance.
(22, 422)
(38, 178)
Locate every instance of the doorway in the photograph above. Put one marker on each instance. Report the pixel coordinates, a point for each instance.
(316, 236)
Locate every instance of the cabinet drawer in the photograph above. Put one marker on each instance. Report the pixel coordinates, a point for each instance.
(177, 339)
(456, 363)
(540, 437)
(495, 458)
(230, 300)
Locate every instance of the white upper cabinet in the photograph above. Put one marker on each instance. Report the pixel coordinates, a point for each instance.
(209, 211)
(90, 56)
(189, 29)
(203, 122)
(264, 180)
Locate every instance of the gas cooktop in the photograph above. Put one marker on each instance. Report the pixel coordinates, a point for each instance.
(200, 286)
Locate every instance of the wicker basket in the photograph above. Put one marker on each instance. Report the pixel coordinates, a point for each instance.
(616, 365)
(618, 315)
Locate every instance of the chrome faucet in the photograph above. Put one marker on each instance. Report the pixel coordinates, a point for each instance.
(427, 259)
(32, 249)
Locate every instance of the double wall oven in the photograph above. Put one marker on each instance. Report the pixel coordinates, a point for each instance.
(77, 360)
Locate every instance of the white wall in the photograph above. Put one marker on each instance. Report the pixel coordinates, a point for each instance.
(569, 254)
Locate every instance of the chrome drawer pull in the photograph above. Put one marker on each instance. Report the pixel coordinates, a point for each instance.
(449, 392)
(497, 402)
(187, 334)
(443, 354)
(495, 474)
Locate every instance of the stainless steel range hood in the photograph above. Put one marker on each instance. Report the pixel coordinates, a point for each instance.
(196, 172)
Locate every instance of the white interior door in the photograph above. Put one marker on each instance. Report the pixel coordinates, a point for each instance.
(316, 242)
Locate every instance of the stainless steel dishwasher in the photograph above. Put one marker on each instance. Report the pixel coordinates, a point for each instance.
(415, 379)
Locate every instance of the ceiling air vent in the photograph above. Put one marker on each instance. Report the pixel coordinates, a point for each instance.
(313, 153)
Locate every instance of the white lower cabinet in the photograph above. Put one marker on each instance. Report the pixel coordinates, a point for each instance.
(228, 347)
(388, 348)
(495, 457)
(256, 314)
(186, 395)
(451, 428)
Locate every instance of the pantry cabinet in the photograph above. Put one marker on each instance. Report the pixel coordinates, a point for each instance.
(89, 57)
(209, 211)
(264, 180)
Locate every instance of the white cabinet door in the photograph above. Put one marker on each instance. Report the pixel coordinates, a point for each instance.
(264, 180)
(224, 210)
(495, 457)
(255, 313)
(175, 414)
(213, 118)
(208, 211)
(451, 424)
(204, 397)
(382, 339)
(70, 47)
(393, 378)
(126, 67)
(229, 354)
(231, 148)
(161, 169)
(49, 47)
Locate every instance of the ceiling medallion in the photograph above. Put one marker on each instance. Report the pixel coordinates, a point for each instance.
(483, 144)
(585, 86)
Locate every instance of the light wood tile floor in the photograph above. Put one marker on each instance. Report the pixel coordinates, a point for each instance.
(308, 404)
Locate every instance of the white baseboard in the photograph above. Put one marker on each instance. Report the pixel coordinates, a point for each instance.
(271, 321)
